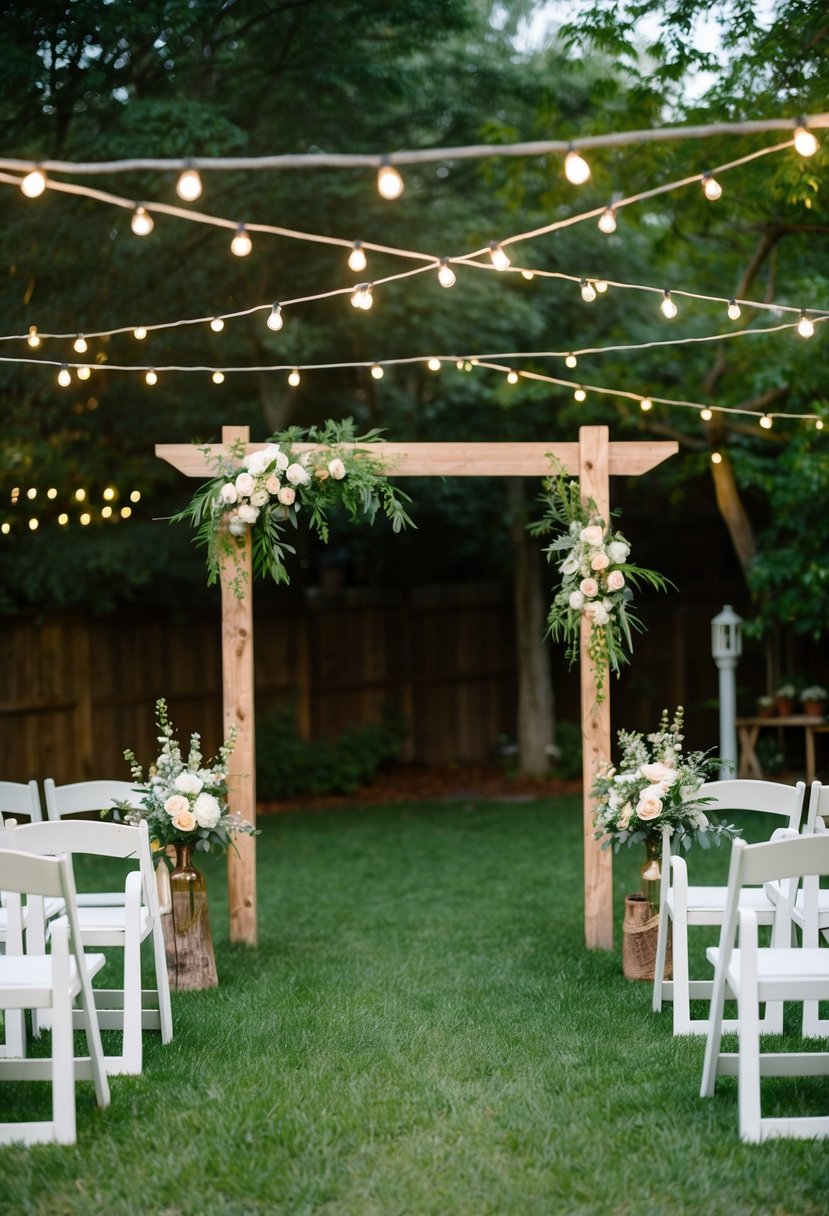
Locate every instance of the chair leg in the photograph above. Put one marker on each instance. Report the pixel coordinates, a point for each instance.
(682, 997)
(132, 1046)
(162, 983)
(748, 1065)
(63, 1052)
(659, 965)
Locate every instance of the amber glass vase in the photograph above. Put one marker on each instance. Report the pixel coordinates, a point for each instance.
(190, 960)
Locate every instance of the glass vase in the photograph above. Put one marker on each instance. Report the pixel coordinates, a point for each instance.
(650, 874)
(190, 960)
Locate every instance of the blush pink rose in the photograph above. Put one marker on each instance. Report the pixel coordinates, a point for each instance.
(589, 587)
(648, 808)
(600, 562)
(615, 580)
(184, 821)
(175, 804)
(287, 495)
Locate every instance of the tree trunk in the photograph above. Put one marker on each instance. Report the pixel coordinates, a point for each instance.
(535, 692)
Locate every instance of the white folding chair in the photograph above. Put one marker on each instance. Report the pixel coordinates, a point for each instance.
(682, 906)
(88, 798)
(20, 798)
(811, 910)
(773, 974)
(126, 925)
(49, 982)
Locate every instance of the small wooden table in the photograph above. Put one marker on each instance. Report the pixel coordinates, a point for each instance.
(748, 732)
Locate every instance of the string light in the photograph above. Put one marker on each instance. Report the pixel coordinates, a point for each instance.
(376, 371)
(106, 512)
(607, 220)
(588, 291)
(433, 364)
(512, 376)
(125, 512)
(645, 404)
(140, 332)
(188, 186)
(64, 379)
(528, 275)
(85, 519)
(804, 326)
(217, 325)
(5, 529)
(33, 524)
(241, 244)
(293, 378)
(31, 492)
(357, 260)
(389, 181)
(51, 492)
(33, 338)
(142, 222)
(83, 373)
(766, 422)
(601, 286)
(109, 494)
(716, 458)
(275, 319)
(669, 309)
(362, 297)
(80, 495)
(446, 275)
(733, 310)
(580, 394)
(818, 424)
(706, 415)
(135, 495)
(218, 377)
(804, 141)
(151, 377)
(63, 519)
(80, 344)
(576, 168)
(499, 259)
(570, 360)
(711, 188)
(34, 183)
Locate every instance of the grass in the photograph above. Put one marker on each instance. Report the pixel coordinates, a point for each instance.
(420, 1031)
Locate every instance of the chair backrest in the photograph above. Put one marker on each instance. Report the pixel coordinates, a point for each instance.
(83, 797)
(20, 798)
(817, 818)
(787, 858)
(768, 797)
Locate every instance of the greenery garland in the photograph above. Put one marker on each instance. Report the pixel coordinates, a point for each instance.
(597, 579)
(263, 492)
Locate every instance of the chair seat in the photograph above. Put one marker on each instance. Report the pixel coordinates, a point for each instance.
(780, 972)
(26, 979)
(710, 901)
(98, 924)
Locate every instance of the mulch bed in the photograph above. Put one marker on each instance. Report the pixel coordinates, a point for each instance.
(441, 783)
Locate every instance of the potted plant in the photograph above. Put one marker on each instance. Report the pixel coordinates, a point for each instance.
(765, 707)
(814, 700)
(784, 697)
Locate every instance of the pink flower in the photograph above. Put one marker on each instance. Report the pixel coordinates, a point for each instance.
(648, 807)
(336, 468)
(272, 484)
(287, 495)
(589, 587)
(600, 562)
(615, 580)
(591, 535)
(184, 821)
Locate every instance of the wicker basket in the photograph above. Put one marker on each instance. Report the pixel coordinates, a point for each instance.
(640, 930)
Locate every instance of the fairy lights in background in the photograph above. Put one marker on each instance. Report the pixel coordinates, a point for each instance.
(77, 506)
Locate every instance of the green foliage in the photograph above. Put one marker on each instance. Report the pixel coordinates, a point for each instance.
(287, 765)
(567, 760)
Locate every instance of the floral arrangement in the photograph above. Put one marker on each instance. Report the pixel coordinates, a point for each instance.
(262, 492)
(814, 693)
(656, 785)
(786, 690)
(184, 800)
(597, 579)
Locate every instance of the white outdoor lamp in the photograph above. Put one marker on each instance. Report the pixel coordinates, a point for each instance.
(726, 647)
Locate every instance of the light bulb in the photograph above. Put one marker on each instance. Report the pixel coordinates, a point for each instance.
(588, 291)
(804, 326)
(293, 379)
(377, 371)
(31, 492)
(188, 185)
(125, 512)
(140, 332)
(80, 344)
(766, 422)
(218, 377)
(601, 286)
(459, 364)
(241, 244)
(275, 319)
(804, 141)
(446, 275)
(499, 259)
(51, 492)
(217, 325)
(361, 296)
(109, 494)
(63, 519)
(33, 525)
(607, 220)
(576, 168)
(86, 518)
(80, 495)
(106, 512)
(33, 338)
(357, 259)
(141, 222)
(570, 360)
(64, 379)
(151, 377)
(716, 458)
(580, 394)
(528, 275)
(706, 415)
(733, 310)
(433, 364)
(818, 424)
(668, 307)
(34, 183)
(711, 188)
(83, 373)
(512, 377)
(135, 496)
(389, 181)
(645, 404)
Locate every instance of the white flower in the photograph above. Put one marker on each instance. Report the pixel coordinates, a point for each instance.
(236, 526)
(700, 819)
(336, 468)
(570, 565)
(576, 601)
(258, 462)
(244, 484)
(175, 804)
(591, 535)
(272, 484)
(658, 772)
(184, 821)
(188, 783)
(297, 475)
(259, 497)
(282, 461)
(207, 811)
(618, 551)
(599, 614)
(248, 514)
(228, 493)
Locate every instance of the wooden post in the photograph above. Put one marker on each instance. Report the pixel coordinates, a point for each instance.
(237, 695)
(594, 481)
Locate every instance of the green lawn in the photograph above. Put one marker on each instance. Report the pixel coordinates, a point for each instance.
(419, 1032)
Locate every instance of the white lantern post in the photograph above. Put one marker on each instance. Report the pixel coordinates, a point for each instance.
(726, 647)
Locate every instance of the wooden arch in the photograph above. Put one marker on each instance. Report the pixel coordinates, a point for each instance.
(594, 460)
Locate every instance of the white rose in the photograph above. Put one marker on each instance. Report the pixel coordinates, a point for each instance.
(591, 535)
(336, 468)
(286, 496)
(576, 601)
(184, 821)
(175, 804)
(236, 526)
(248, 514)
(188, 783)
(570, 565)
(297, 475)
(282, 460)
(600, 614)
(244, 484)
(207, 811)
(259, 497)
(258, 462)
(657, 772)
(618, 552)
(272, 484)
(228, 493)
(624, 818)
